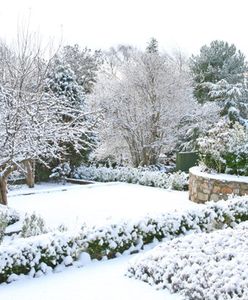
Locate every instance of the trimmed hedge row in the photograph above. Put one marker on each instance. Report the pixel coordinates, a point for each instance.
(38, 254)
(142, 176)
(112, 240)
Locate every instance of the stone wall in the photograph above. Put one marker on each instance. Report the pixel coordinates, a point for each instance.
(206, 187)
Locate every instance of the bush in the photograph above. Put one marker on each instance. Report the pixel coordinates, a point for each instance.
(11, 216)
(8, 216)
(142, 176)
(61, 172)
(225, 148)
(33, 225)
(203, 267)
(44, 252)
(37, 255)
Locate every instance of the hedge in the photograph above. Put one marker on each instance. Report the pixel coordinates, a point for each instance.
(35, 254)
(142, 176)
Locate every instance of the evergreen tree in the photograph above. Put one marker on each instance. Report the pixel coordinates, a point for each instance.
(152, 46)
(62, 83)
(84, 63)
(214, 63)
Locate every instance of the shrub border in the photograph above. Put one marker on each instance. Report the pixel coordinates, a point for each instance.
(40, 254)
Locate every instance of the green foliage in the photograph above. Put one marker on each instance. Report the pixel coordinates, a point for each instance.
(225, 148)
(214, 63)
(42, 172)
(237, 163)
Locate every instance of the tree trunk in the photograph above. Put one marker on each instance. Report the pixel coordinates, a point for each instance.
(3, 191)
(30, 177)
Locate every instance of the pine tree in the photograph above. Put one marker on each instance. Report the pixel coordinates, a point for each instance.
(84, 63)
(214, 63)
(152, 46)
(61, 81)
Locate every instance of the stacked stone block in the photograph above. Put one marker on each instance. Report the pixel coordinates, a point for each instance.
(203, 187)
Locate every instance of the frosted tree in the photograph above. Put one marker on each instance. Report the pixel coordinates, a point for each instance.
(219, 61)
(84, 63)
(62, 82)
(233, 98)
(32, 126)
(142, 105)
(152, 46)
(114, 58)
(22, 71)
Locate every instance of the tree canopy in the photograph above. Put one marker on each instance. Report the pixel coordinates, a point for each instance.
(219, 61)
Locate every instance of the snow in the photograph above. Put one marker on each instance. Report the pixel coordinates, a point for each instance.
(202, 266)
(96, 281)
(222, 177)
(96, 204)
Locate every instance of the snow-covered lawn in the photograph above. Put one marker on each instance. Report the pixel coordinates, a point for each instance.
(103, 280)
(95, 205)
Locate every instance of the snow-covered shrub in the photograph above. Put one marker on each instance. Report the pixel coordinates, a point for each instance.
(142, 176)
(61, 171)
(179, 181)
(62, 228)
(8, 216)
(203, 266)
(34, 254)
(33, 225)
(112, 239)
(225, 148)
(3, 225)
(37, 255)
(11, 216)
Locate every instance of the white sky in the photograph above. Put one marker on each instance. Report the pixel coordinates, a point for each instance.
(185, 24)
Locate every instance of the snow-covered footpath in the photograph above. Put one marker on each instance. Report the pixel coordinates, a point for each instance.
(95, 205)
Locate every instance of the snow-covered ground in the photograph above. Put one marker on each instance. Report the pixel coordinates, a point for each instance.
(94, 204)
(103, 280)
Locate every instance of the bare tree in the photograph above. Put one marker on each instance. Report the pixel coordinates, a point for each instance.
(142, 105)
(32, 120)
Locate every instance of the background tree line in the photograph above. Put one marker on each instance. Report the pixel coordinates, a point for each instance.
(127, 105)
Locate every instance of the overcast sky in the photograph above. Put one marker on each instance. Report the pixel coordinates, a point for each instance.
(185, 24)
